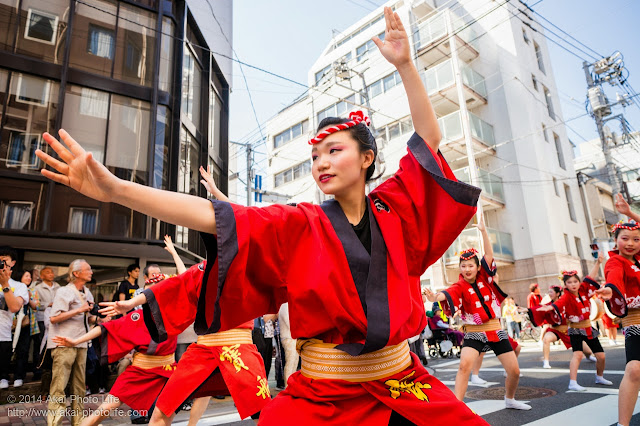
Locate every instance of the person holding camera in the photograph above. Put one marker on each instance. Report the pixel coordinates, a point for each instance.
(72, 310)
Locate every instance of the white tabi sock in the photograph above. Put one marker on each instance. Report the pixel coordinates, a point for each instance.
(516, 405)
(574, 386)
(600, 380)
(476, 380)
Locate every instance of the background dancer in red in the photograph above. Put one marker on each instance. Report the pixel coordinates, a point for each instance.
(478, 298)
(622, 292)
(534, 298)
(349, 268)
(577, 307)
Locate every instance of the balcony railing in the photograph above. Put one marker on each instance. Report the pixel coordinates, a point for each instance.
(490, 184)
(500, 241)
(441, 76)
(436, 28)
(451, 128)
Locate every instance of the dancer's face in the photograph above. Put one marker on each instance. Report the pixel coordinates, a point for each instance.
(469, 270)
(628, 242)
(572, 284)
(338, 163)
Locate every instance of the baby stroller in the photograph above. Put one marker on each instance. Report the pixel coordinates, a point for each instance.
(442, 345)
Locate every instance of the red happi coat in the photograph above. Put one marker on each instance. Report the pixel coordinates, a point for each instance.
(309, 256)
(136, 387)
(578, 308)
(623, 277)
(554, 317)
(533, 300)
(478, 302)
(172, 306)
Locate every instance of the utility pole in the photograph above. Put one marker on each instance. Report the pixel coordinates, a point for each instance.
(249, 177)
(342, 70)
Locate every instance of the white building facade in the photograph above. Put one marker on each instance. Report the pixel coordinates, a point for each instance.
(490, 80)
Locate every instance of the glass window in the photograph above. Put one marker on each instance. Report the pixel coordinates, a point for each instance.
(375, 89)
(406, 125)
(83, 221)
(191, 85)
(548, 100)
(135, 46)
(572, 213)
(31, 109)
(93, 38)
(389, 82)
(579, 248)
(555, 187)
(215, 109)
(85, 117)
(558, 144)
(566, 243)
(166, 55)
(189, 163)
(161, 148)
(534, 82)
(41, 26)
(42, 34)
(17, 215)
(10, 19)
(544, 133)
(525, 36)
(323, 72)
(128, 138)
(539, 57)
(394, 131)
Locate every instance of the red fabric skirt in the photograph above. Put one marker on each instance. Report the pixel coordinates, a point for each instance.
(564, 337)
(608, 322)
(513, 343)
(202, 372)
(412, 393)
(139, 388)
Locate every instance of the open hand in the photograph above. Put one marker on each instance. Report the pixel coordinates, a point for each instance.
(605, 293)
(78, 169)
(64, 341)
(168, 244)
(480, 225)
(120, 307)
(622, 206)
(207, 181)
(431, 297)
(395, 47)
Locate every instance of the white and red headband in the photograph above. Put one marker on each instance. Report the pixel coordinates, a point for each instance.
(355, 118)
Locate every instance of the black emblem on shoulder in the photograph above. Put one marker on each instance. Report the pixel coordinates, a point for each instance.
(135, 316)
(381, 206)
(201, 266)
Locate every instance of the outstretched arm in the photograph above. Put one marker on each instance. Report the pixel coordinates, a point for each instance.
(395, 49)
(434, 297)
(80, 171)
(168, 246)
(486, 242)
(623, 208)
(120, 308)
(66, 341)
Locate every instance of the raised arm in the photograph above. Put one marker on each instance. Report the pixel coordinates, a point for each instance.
(486, 242)
(80, 171)
(595, 270)
(120, 308)
(623, 208)
(208, 182)
(396, 50)
(168, 246)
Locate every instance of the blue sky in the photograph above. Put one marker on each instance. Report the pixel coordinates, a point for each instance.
(288, 39)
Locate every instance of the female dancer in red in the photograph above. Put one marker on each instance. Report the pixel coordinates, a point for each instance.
(622, 290)
(349, 268)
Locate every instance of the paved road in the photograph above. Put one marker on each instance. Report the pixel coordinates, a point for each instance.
(597, 406)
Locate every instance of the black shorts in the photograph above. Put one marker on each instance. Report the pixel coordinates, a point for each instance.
(577, 339)
(632, 346)
(500, 347)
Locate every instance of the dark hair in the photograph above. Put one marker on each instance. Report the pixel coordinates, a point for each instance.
(565, 278)
(361, 133)
(532, 287)
(556, 288)
(475, 258)
(617, 231)
(9, 251)
(146, 269)
(132, 267)
(19, 273)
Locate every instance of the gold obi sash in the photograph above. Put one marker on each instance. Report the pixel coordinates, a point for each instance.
(632, 318)
(146, 362)
(581, 324)
(322, 361)
(491, 325)
(560, 328)
(235, 336)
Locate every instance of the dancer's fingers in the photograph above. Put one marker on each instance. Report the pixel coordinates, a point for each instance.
(56, 177)
(74, 146)
(60, 149)
(53, 162)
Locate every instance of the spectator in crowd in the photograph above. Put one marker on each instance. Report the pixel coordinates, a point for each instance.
(14, 296)
(534, 298)
(262, 335)
(288, 343)
(128, 287)
(510, 313)
(70, 317)
(26, 327)
(45, 291)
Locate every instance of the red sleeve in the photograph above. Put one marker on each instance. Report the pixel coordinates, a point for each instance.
(589, 285)
(433, 206)
(256, 247)
(172, 304)
(561, 303)
(453, 301)
(531, 303)
(120, 336)
(614, 278)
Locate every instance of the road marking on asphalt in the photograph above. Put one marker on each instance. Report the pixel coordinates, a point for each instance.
(601, 411)
(537, 370)
(453, 383)
(602, 391)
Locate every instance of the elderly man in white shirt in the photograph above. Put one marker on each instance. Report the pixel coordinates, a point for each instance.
(13, 297)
